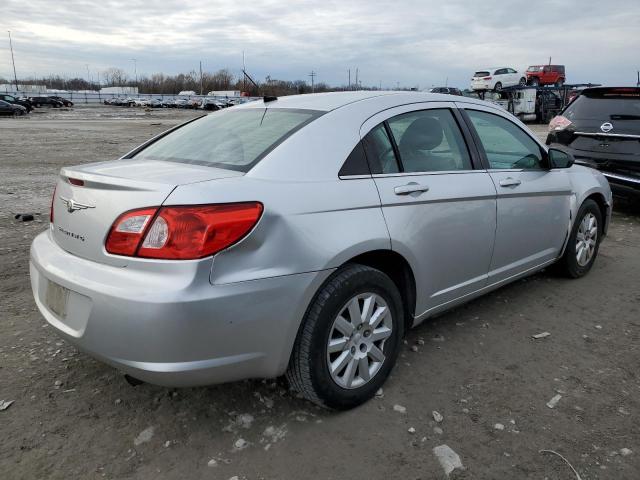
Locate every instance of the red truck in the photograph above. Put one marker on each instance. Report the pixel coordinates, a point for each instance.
(546, 75)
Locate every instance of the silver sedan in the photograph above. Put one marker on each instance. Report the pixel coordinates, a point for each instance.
(304, 235)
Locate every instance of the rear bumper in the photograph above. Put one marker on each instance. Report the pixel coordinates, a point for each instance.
(481, 85)
(624, 185)
(173, 329)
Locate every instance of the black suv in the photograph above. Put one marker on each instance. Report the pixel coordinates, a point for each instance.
(601, 128)
(40, 101)
(16, 101)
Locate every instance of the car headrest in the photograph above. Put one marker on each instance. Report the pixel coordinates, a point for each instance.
(423, 134)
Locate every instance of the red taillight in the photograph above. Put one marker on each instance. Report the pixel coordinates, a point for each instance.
(487, 78)
(53, 197)
(127, 231)
(76, 181)
(559, 123)
(182, 232)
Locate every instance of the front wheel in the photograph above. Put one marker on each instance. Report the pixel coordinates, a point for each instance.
(584, 241)
(349, 339)
(560, 83)
(522, 82)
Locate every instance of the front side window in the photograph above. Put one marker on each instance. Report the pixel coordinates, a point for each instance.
(430, 141)
(504, 143)
(230, 139)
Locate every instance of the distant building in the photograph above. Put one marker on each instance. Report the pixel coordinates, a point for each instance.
(11, 87)
(187, 92)
(224, 93)
(120, 90)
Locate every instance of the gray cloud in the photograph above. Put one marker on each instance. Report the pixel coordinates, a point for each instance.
(415, 43)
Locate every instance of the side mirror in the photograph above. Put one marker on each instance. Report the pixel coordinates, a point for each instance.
(560, 159)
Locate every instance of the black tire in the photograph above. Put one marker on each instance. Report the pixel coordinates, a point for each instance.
(522, 82)
(560, 83)
(535, 82)
(308, 371)
(568, 265)
(498, 87)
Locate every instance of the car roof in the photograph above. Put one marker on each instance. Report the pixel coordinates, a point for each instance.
(333, 100)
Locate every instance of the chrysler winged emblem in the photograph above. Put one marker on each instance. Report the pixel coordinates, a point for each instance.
(72, 205)
(606, 127)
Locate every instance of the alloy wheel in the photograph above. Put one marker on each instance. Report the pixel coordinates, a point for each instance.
(355, 349)
(586, 239)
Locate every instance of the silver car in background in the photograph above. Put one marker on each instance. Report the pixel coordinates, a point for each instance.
(304, 235)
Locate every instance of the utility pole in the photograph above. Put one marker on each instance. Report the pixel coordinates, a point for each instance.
(135, 69)
(349, 88)
(357, 78)
(313, 76)
(200, 77)
(244, 78)
(88, 76)
(12, 60)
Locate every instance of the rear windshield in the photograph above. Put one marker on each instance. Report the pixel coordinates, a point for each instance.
(481, 74)
(230, 139)
(605, 106)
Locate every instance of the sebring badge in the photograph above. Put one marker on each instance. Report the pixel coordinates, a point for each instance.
(606, 127)
(72, 205)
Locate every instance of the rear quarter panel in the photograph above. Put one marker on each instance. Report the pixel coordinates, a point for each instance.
(306, 225)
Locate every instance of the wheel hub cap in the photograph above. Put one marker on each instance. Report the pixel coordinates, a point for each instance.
(586, 239)
(355, 350)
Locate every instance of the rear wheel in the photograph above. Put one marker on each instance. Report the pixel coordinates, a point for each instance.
(498, 87)
(349, 339)
(584, 241)
(522, 82)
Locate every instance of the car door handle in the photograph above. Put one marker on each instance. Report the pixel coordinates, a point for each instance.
(410, 188)
(510, 182)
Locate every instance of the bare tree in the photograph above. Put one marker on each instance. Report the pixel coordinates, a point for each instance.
(114, 76)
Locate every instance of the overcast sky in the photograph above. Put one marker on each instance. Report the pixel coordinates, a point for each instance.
(416, 43)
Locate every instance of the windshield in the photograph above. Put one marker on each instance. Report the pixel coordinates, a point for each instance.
(534, 68)
(481, 74)
(607, 108)
(231, 139)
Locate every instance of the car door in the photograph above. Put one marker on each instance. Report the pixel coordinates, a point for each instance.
(514, 76)
(533, 206)
(439, 208)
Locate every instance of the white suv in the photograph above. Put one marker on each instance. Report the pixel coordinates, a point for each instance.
(497, 78)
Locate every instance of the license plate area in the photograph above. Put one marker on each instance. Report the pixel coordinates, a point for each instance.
(57, 298)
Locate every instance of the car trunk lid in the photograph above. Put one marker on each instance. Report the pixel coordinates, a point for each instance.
(89, 198)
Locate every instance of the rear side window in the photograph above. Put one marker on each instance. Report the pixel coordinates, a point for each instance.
(504, 143)
(430, 141)
(230, 139)
(379, 150)
(356, 163)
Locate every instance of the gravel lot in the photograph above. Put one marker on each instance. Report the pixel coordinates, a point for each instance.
(478, 366)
